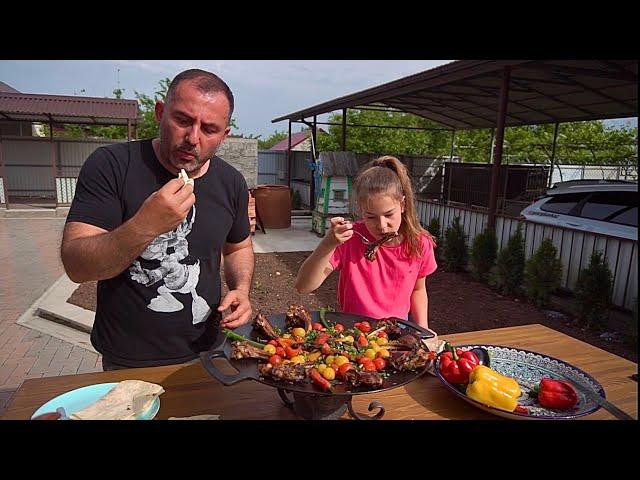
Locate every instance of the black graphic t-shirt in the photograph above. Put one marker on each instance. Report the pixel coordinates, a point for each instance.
(160, 310)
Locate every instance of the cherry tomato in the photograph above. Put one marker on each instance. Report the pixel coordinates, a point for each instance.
(275, 359)
(369, 367)
(364, 360)
(382, 334)
(356, 325)
(362, 341)
(317, 326)
(280, 351)
(272, 342)
(364, 327)
(335, 367)
(326, 349)
(344, 368)
(380, 364)
(339, 328)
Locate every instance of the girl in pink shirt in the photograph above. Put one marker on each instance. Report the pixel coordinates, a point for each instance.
(390, 281)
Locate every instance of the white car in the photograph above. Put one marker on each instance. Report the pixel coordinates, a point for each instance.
(605, 207)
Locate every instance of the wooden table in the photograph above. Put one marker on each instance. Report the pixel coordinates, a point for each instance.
(190, 390)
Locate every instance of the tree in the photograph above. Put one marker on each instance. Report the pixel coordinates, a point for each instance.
(271, 140)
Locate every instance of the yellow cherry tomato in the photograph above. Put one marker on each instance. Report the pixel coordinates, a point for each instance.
(341, 360)
(321, 368)
(299, 332)
(270, 349)
(329, 360)
(382, 341)
(329, 373)
(370, 353)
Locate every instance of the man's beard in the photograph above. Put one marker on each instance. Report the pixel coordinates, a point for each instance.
(193, 164)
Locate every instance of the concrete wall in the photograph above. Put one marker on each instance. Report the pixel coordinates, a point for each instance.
(242, 153)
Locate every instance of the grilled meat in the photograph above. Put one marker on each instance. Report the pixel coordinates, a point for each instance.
(410, 360)
(291, 372)
(240, 350)
(372, 249)
(358, 377)
(391, 327)
(262, 325)
(298, 316)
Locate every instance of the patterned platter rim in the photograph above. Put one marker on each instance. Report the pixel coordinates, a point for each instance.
(561, 370)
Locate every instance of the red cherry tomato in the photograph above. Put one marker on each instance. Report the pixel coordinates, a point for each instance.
(280, 351)
(356, 325)
(275, 359)
(272, 342)
(364, 360)
(380, 364)
(344, 368)
(382, 334)
(339, 328)
(317, 326)
(362, 341)
(292, 352)
(365, 327)
(369, 367)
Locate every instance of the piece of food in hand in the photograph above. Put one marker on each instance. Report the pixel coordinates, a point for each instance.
(456, 365)
(555, 394)
(372, 249)
(493, 389)
(126, 401)
(184, 177)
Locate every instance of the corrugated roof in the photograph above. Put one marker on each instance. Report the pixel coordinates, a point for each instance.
(66, 109)
(296, 138)
(465, 94)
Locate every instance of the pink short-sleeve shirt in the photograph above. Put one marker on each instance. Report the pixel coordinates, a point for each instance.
(381, 288)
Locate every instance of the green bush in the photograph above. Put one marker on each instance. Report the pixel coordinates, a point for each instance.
(483, 253)
(593, 292)
(509, 270)
(543, 273)
(434, 229)
(455, 247)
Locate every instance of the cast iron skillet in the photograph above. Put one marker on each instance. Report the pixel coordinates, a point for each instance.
(248, 368)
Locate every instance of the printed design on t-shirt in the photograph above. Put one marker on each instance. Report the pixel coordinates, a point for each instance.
(176, 277)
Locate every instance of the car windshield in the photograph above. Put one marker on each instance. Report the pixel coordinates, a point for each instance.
(563, 203)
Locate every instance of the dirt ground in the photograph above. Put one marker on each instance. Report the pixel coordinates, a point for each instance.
(456, 302)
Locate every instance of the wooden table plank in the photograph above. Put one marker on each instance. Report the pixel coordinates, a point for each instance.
(190, 390)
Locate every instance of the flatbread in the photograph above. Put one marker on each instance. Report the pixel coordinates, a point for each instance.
(185, 178)
(126, 401)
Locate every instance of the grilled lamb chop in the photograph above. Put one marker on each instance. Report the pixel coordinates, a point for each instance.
(240, 350)
(410, 360)
(358, 377)
(372, 248)
(391, 327)
(407, 341)
(292, 372)
(262, 325)
(298, 316)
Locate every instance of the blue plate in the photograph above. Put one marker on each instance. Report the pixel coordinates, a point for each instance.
(528, 368)
(80, 398)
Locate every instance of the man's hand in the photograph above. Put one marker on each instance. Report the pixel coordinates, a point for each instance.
(238, 302)
(339, 232)
(166, 208)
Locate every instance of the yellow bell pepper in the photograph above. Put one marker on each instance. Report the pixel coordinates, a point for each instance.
(493, 389)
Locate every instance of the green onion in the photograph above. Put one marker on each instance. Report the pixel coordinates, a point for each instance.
(240, 338)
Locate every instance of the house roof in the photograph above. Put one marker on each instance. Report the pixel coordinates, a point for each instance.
(18, 106)
(465, 94)
(7, 88)
(296, 138)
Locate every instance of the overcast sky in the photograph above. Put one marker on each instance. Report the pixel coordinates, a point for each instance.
(263, 89)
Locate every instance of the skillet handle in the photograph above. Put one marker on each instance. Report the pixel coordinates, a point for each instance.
(426, 332)
(206, 357)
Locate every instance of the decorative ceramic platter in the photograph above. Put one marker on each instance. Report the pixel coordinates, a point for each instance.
(528, 368)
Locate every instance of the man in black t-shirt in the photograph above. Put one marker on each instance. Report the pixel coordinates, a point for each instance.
(154, 241)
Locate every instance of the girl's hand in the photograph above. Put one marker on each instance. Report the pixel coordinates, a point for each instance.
(340, 231)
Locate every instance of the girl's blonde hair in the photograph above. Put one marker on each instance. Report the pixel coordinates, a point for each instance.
(387, 175)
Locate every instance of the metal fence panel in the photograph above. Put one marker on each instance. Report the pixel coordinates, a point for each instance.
(574, 247)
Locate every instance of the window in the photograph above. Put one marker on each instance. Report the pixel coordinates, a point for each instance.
(602, 205)
(338, 195)
(627, 217)
(563, 203)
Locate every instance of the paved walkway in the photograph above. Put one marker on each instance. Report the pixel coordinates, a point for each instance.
(32, 272)
(30, 264)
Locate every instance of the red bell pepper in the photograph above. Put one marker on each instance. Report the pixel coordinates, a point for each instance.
(456, 365)
(555, 394)
(319, 380)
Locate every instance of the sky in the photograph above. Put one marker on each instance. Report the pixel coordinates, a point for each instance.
(263, 89)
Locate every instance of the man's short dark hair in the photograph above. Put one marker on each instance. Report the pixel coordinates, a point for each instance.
(206, 82)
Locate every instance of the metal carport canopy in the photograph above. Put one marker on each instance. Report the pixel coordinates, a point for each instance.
(464, 94)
